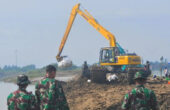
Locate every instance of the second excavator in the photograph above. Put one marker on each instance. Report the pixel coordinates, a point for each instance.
(112, 58)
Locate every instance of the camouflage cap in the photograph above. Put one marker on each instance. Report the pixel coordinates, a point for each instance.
(23, 80)
(140, 75)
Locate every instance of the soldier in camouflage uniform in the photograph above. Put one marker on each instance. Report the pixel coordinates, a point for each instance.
(21, 99)
(140, 98)
(49, 92)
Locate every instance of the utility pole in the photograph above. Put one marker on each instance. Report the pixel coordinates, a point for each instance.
(166, 62)
(16, 57)
(161, 65)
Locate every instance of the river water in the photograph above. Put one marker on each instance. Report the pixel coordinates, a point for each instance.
(7, 88)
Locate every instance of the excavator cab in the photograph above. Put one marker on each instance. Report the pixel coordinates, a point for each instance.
(108, 54)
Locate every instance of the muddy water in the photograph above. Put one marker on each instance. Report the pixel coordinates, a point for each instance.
(7, 88)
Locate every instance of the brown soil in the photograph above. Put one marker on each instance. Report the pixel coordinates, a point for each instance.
(91, 96)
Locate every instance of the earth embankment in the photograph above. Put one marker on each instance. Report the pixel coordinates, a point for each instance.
(82, 95)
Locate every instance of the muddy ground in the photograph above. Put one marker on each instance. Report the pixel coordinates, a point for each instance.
(91, 96)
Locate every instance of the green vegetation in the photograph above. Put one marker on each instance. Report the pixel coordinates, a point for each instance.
(31, 74)
(9, 73)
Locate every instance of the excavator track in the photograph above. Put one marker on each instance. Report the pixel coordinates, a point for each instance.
(131, 73)
(98, 73)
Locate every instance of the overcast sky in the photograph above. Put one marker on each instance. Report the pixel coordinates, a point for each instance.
(35, 28)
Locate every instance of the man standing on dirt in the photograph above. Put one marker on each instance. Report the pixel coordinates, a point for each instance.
(21, 99)
(140, 98)
(85, 70)
(49, 92)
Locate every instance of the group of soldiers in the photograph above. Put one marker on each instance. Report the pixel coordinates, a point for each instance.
(49, 94)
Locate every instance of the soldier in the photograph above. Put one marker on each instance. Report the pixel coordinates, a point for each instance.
(140, 98)
(49, 92)
(85, 70)
(21, 99)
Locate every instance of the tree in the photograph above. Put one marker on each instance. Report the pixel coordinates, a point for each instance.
(28, 68)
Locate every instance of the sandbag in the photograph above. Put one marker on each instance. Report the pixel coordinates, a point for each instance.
(65, 63)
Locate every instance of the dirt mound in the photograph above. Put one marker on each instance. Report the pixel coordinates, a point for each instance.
(165, 101)
(82, 95)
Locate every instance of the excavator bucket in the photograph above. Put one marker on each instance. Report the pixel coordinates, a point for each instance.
(65, 62)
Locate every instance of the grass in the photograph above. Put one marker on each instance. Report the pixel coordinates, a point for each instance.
(40, 73)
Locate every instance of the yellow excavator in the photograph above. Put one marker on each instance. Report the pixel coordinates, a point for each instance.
(109, 56)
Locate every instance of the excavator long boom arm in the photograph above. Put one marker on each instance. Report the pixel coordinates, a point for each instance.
(89, 18)
(70, 23)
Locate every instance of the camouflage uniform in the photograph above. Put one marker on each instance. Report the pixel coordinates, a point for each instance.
(140, 98)
(50, 95)
(21, 99)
